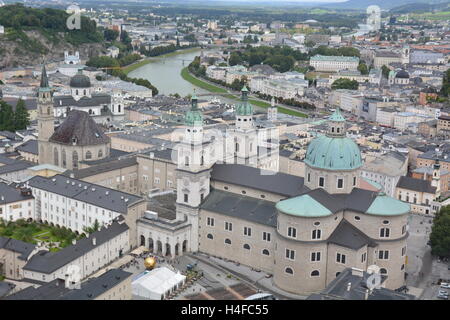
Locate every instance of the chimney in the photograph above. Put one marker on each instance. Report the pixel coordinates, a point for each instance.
(94, 241)
(349, 286)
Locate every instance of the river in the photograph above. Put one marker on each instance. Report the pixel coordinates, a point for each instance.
(164, 74)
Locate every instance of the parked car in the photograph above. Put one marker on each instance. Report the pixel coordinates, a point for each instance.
(445, 285)
(441, 296)
(443, 293)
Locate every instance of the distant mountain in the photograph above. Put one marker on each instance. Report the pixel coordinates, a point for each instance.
(421, 7)
(383, 4)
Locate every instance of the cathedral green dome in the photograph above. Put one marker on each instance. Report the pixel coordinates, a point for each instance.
(333, 153)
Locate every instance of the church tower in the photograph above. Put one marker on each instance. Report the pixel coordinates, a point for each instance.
(45, 118)
(245, 135)
(194, 163)
(436, 179)
(272, 111)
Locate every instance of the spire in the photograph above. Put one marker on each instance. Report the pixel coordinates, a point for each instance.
(44, 78)
(194, 102)
(194, 117)
(244, 108)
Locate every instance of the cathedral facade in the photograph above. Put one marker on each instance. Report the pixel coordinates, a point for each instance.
(77, 139)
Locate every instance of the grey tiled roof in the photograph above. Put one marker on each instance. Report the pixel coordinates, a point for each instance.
(93, 288)
(9, 194)
(94, 101)
(31, 146)
(18, 165)
(280, 183)
(104, 167)
(348, 236)
(48, 262)
(80, 126)
(416, 185)
(86, 192)
(250, 209)
(338, 289)
(90, 289)
(18, 246)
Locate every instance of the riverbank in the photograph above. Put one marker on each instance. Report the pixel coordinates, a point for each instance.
(146, 61)
(186, 75)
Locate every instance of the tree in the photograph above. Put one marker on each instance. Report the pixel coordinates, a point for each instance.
(110, 35)
(21, 116)
(363, 68)
(343, 83)
(440, 233)
(235, 59)
(6, 117)
(95, 227)
(385, 71)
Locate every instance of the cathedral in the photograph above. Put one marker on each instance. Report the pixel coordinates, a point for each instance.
(303, 231)
(77, 139)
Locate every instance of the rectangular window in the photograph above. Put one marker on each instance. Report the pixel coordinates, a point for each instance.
(292, 232)
(384, 232)
(266, 236)
(340, 183)
(316, 234)
(309, 177)
(290, 254)
(186, 198)
(210, 222)
(321, 181)
(363, 257)
(354, 181)
(247, 231)
(228, 226)
(403, 251)
(315, 256)
(340, 258)
(383, 254)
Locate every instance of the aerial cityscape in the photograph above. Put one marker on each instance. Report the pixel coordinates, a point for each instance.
(224, 150)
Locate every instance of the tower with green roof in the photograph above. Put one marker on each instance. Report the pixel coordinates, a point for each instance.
(244, 112)
(45, 117)
(244, 134)
(194, 162)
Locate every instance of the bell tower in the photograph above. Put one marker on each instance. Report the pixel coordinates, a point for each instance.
(194, 162)
(45, 118)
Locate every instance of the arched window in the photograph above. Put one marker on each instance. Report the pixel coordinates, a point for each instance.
(84, 91)
(76, 92)
(210, 236)
(88, 155)
(289, 270)
(337, 274)
(75, 160)
(119, 109)
(100, 153)
(315, 273)
(227, 241)
(246, 246)
(237, 147)
(186, 161)
(202, 160)
(383, 271)
(56, 157)
(63, 158)
(316, 234)
(265, 252)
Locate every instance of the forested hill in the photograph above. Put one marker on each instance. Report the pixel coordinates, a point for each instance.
(31, 34)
